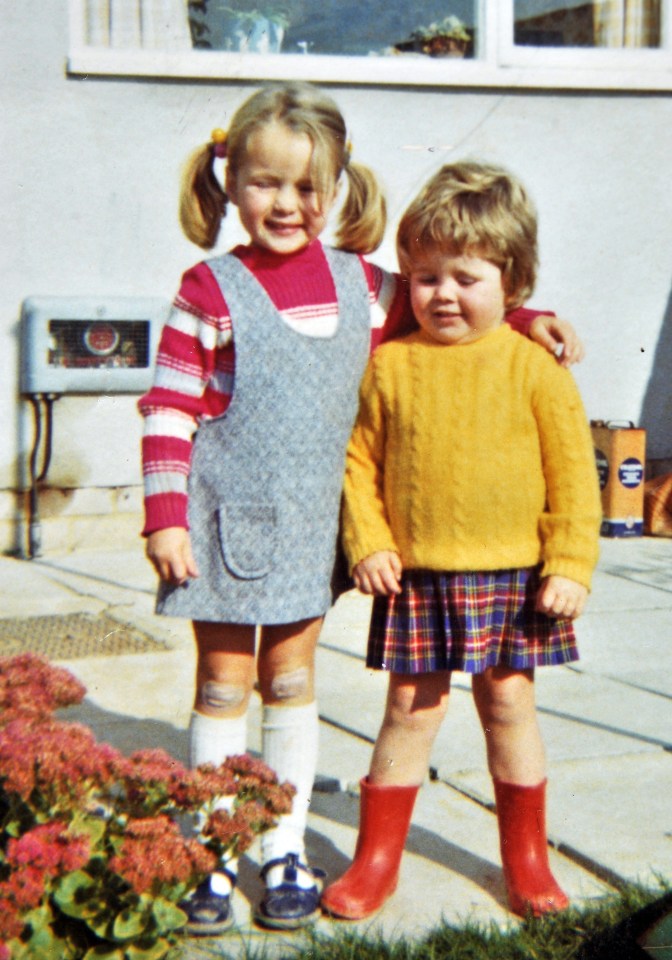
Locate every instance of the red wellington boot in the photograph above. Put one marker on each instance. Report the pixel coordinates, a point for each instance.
(384, 819)
(521, 814)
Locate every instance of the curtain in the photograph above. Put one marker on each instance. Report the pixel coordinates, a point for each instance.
(129, 24)
(626, 23)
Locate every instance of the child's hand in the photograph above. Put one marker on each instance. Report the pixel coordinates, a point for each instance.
(170, 552)
(561, 598)
(558, 337)
(379, 573)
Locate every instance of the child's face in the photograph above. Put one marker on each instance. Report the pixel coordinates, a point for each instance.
(456, 298)
(274, 192)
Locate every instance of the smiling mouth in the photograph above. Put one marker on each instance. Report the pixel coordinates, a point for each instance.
(283, 227)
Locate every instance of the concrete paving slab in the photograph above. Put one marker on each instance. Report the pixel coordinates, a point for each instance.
(174, 632)
(611, 592)
(629, 798)
(452, 845)
(594, 703)
(346, 626)
(642, 560)
(343, 759)
(120, 583)
(28, 591)
(632, 644)
(125, 568)
(647, 678)
(114, 579)
(349, 693)
(613, 812)
(460, 744)
(157, 686)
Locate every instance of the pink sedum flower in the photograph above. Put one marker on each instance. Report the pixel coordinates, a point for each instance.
(11, 924)
(154, 854)
(50, 848)
(24, 889)
(61, 761)
(31, 686)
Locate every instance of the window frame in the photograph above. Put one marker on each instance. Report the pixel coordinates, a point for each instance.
(626, 61)
(498, 62)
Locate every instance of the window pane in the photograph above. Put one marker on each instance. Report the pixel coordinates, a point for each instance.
(605, 23)
(381, 28)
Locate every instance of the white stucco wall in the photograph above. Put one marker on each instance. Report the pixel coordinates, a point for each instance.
(89, 172)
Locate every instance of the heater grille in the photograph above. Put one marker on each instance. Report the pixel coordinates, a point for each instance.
(80, 345)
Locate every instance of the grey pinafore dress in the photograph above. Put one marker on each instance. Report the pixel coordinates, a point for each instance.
(266, 477)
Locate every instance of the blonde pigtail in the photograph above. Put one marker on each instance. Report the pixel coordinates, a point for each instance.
(202, 199)
(364, 213)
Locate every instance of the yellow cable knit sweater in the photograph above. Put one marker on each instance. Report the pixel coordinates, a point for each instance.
(472, 457)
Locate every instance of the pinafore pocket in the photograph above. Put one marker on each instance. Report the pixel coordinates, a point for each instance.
(247, 536)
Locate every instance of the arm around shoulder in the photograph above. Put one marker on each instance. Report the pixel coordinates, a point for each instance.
(554, 334)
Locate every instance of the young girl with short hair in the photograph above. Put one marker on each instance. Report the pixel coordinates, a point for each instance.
(472, 515)
(246, 428)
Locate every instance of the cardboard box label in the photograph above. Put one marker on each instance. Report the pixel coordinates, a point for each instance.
(631, 473)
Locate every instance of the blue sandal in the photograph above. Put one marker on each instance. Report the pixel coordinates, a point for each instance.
(208, 913)
(290, 906)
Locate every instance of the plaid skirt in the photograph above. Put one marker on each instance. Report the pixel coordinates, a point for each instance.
(466, 621)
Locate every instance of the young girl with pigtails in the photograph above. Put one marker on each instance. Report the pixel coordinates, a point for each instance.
(246, 428)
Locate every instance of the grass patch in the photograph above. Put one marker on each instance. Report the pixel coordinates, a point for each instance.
(605, 930)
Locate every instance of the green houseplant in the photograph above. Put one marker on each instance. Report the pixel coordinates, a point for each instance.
(444, 38)
(240, 25)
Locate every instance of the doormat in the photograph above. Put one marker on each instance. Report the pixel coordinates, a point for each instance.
(74, 636)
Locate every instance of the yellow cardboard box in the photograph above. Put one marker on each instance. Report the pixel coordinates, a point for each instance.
(620, 455)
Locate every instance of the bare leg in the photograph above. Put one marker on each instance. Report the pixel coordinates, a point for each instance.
(416, 705)
(287, 663)
(225, 669)
(505, 703)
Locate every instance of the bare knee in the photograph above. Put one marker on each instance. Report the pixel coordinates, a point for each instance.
(418, 715)
(289, 687)
(219, 698)
(504, 699)
(286, 663)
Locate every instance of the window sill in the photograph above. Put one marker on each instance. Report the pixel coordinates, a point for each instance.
(404, 70)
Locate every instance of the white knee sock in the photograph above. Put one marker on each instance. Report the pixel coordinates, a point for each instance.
(289, 746)
(212, 740)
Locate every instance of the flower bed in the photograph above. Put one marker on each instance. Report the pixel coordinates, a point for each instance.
(92, 862)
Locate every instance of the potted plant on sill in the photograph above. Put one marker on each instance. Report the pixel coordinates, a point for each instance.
(240, 25)
(445, 38)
